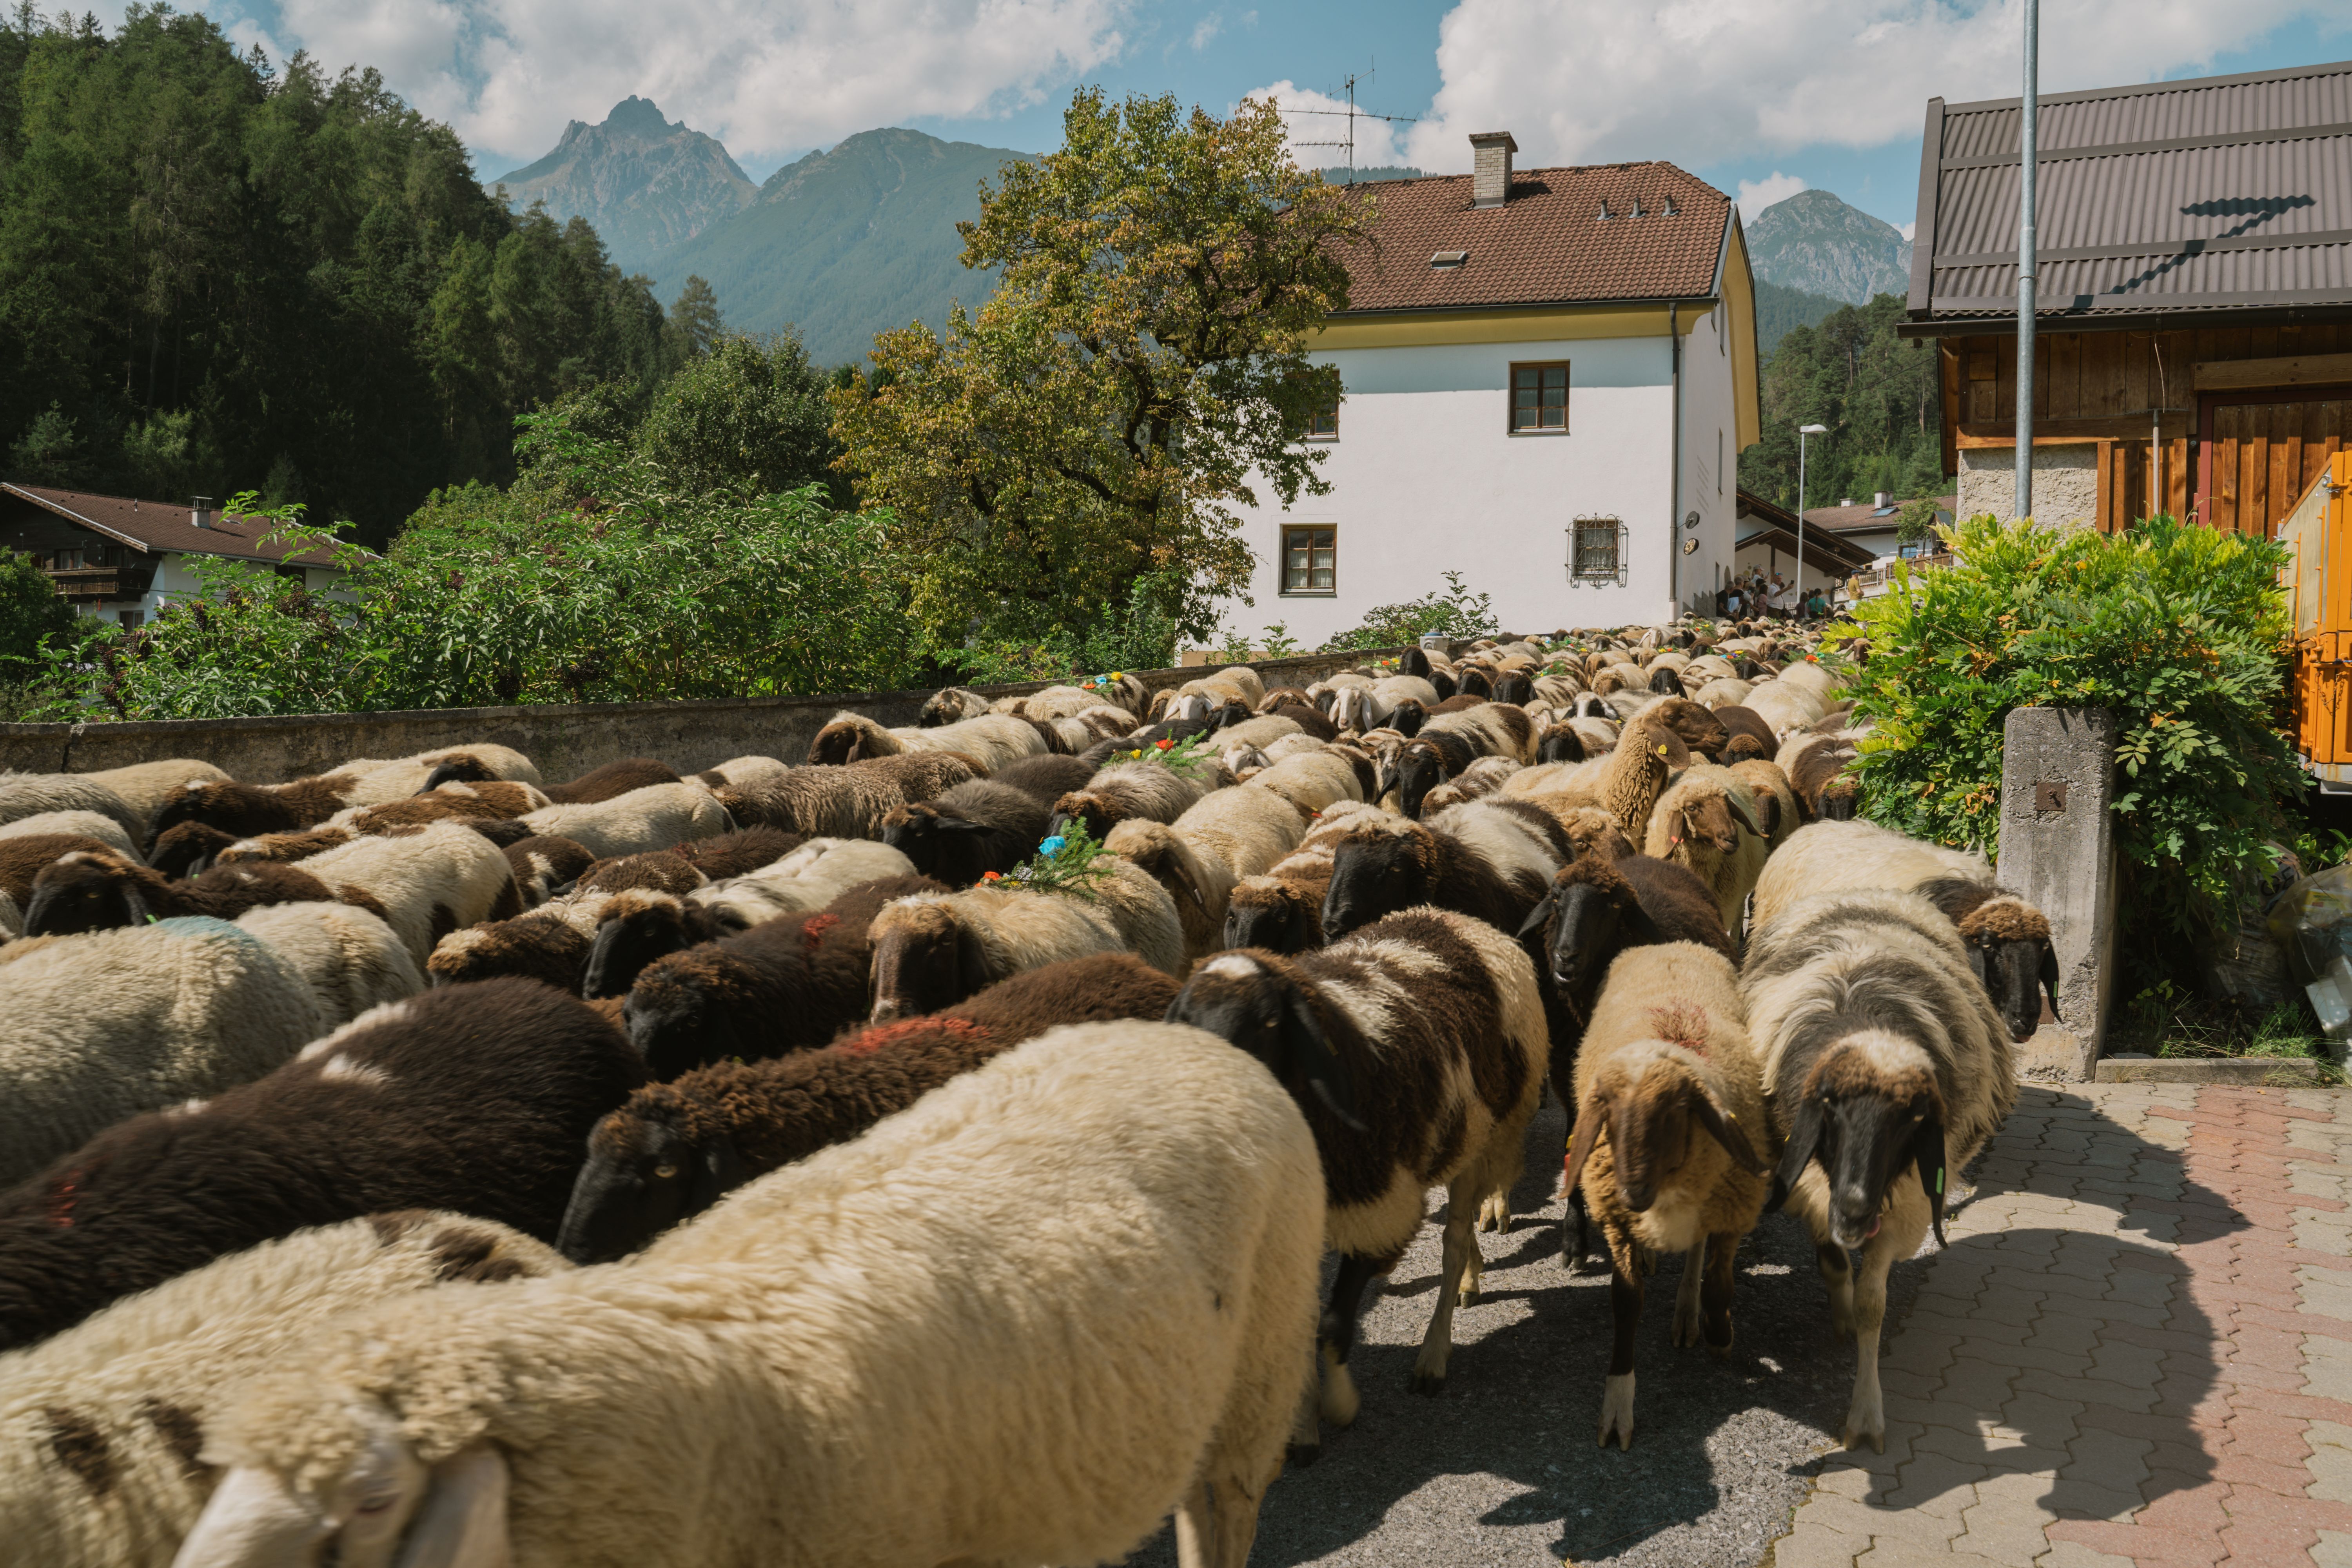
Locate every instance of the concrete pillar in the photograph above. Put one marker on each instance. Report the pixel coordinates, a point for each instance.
(2058, 852)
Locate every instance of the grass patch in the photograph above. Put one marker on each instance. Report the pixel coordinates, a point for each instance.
(2165, 1022)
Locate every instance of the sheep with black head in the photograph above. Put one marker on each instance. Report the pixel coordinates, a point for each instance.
(677, 1148)
(1886, 1068)
(99, 889)
(970, 831)
(1417, 1051)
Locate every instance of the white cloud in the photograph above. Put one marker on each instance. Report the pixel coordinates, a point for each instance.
(766, 77)
(1755, 195)
(1313, 117)
(1210, 27)
(1698, 81)
(1908, 229)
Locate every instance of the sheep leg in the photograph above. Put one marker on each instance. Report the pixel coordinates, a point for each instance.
(1625, 1313)
(1686, 1309)
(1715, 1291)
(1216, 1521)
(1338, 1333)
(1461, 1246)
(1837, 1277)
(1899, 1237)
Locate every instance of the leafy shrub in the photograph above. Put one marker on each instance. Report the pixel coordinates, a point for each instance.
(2178, 629)
(1452, 610)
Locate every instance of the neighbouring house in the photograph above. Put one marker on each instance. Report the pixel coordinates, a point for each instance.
(117, 558)
(1547, 377)
(2193, 319)
(1768, 534)
(1871, 526)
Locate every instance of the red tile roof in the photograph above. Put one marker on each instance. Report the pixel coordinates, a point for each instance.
(1867, 517)
(161, 525)
(1547, 245)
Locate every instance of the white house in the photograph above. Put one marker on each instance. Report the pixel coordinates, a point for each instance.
(117, 558)
(1547, 377)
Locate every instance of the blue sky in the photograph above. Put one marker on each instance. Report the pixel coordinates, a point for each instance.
(1764, 96)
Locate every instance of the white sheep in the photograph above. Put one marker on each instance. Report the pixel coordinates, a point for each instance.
(1073, 1347)
(426, 882)
(1886, 1068)
(96, 825)
(1845, 857)
(1707, 820)
(803, 881)
(991, 740)
(101, 1026)
(100, 1425)
(654, 818)
(352, 960)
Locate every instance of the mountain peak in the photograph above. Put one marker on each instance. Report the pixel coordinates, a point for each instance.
(1817, 243)
(645, 183)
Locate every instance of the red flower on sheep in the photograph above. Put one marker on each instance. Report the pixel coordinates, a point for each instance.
(991, 875)
(1162, 745)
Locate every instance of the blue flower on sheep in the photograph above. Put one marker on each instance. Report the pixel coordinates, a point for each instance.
(1053, 845)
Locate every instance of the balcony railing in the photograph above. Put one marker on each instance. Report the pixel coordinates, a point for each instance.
(1877, 577)
(96, 582)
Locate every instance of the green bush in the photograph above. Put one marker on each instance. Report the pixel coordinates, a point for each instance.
(2178, 629)
(1452, 610)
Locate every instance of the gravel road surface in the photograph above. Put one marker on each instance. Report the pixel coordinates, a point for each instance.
(1502, 1467)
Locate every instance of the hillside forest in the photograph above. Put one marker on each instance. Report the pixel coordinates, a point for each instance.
(1879, 395)
(218, 273)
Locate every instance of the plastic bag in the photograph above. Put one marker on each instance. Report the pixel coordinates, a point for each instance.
(2312, 922)
(2250, 962)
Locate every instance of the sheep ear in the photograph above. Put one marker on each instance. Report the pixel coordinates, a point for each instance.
(1326, 1073)
(1770, 806)
(718, 1171)
(1976, 961)
(1724, 1127)
(971, 962)
(1589, 1118)
(1540, 916)
(134, 905)
(1927, 1149)
(958, 824)
(1741, 814)
(1804, 1137)
(462, 1522)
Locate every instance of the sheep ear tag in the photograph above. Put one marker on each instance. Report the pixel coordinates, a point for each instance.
(1927, 1149)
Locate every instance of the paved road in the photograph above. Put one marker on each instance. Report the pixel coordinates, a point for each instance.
(1503, 1469)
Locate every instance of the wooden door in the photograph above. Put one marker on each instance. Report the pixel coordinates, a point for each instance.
(2260, 451)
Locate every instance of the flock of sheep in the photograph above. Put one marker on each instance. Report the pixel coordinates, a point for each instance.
(851, 1162)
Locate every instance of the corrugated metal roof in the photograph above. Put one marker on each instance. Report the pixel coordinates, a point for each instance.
(2214, 194)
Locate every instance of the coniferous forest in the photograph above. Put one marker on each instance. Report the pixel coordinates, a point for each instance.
(218, 272)
(1879, 395)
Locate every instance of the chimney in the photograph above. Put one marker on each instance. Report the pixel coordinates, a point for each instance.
(1490, 172)
(200, 511)
(1882, 498)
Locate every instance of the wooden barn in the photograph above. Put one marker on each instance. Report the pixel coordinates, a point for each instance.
(2193, 334)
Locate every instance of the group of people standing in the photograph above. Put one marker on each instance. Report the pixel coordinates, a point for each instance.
(1753, 593)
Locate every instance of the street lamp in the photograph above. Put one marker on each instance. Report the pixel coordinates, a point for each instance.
(1803, 431)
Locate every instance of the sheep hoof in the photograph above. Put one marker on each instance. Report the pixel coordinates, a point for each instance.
(1689, 1330)
(1341, 1402)
(1429, 1385)
(1495, 1214)
(1617, 1411)
(1866, 1419)
(1301, 1455)
(1719, 1352)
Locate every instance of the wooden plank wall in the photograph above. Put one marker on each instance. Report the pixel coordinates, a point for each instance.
(2276, 450)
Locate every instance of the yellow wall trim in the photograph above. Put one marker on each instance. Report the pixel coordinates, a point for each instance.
(1540, 323)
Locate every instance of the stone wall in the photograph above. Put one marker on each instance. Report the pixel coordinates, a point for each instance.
(2065, 483)
(564, 739)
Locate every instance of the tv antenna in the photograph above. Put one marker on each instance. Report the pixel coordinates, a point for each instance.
(1352, 114)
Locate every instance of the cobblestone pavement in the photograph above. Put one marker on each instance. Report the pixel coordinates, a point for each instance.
(2138, 1348)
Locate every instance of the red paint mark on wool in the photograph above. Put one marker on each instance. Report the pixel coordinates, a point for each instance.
(882, 1035)
(61, 1206)
(814, 933)
(1680, 1024)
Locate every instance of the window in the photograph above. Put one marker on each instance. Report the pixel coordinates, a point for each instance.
(131, 620)
(1310, 559)
(1539, 398)
(1596, 548)
(1323, 423)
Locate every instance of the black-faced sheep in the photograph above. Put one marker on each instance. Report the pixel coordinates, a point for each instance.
(1820, 769)
(1145, 1300)
(612, 780)
(24, 855)
(98, 1027)
(788, 986)
(1886, 1068)
(1777, 812)
(845, 802)
(1281, 910)
(1665, 1059)
(101, 1425)
(970, 831)
(98, 889)
(1417, 1051)
(991, 740)
(676, 1148)
(1492, 859)
(1451, 742)
(475, 1098)
(802, 882)
(2008, 941)
(549, 943)
(654, 818)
